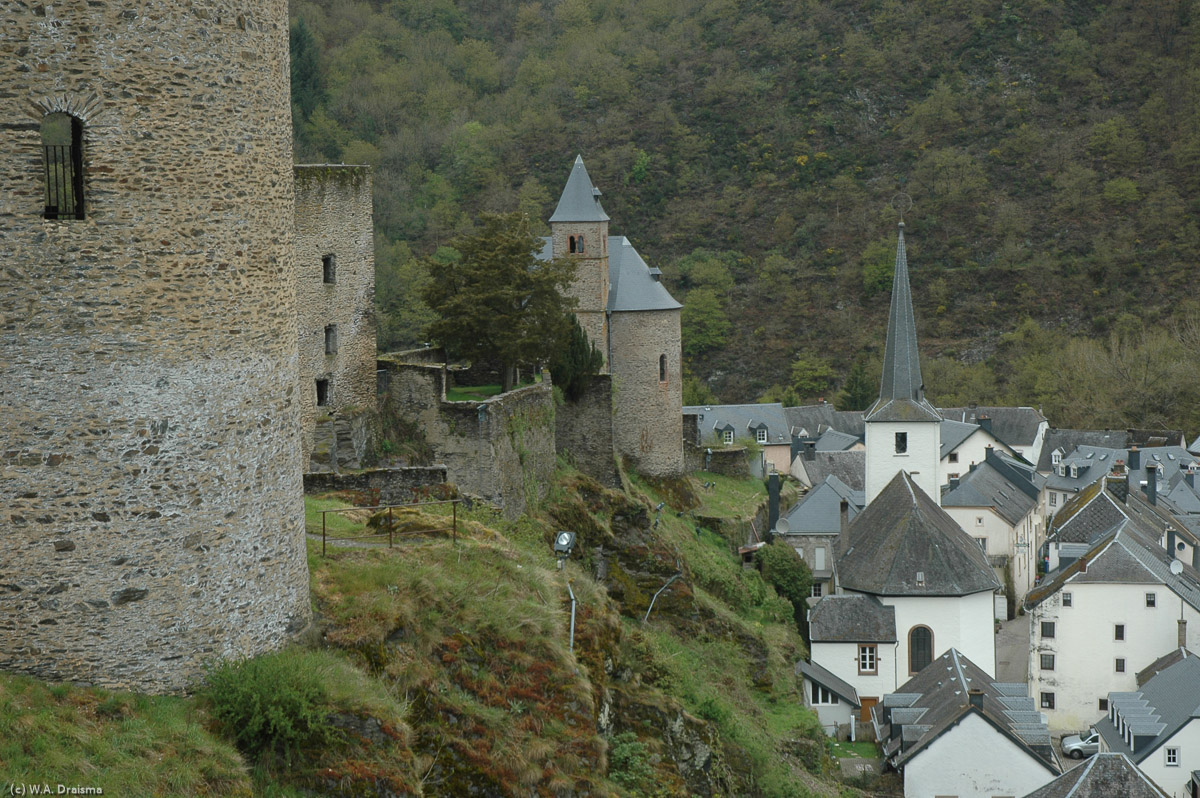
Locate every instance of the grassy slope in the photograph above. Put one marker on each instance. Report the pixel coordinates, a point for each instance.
(472, 677)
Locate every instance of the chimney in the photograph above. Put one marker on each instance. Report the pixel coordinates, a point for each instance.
(772, 504)
(1152, 484)
(1182, 633)
(844, 511)
(1172, 539)
(975, 698)
(1135, 458)
(953, 483)
(985, 422)
(1189, 476)
(810, 450)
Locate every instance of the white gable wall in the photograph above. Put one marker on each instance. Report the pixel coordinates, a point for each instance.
(1020, 543)
(1085, 650)
(972, 451)
(1174, 779)
(832, 716)
(841, 659)
(966, 623)
(920, 460)
(973, 760)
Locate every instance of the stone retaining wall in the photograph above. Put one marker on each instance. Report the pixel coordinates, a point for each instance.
(584, 433)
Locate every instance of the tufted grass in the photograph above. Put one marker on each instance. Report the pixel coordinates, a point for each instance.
(123, 743)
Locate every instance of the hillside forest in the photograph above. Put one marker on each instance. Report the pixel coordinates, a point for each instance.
(751, 150)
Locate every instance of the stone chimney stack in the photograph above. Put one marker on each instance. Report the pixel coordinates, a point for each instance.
(1152, 484)
(1135, 458)
(975, 698)
(772, 504)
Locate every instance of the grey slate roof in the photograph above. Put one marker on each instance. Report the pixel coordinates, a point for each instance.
(580, 200)
(902, 392)
(1016, 426)
(833, 441)
(1170, 699)
(941, 690)
(1087, 516)
(1161, 664)
(813, 420)
(1105, 775)
(820, 511)
(632, 284)
(851, 618)
(838, 687)
(849, 467)
(1070, 439)
(744, 419)
(1129, 555)
(904, 544)
(1011, 491)
(953, 434)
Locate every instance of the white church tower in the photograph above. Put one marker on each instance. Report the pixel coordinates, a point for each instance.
(903, 430)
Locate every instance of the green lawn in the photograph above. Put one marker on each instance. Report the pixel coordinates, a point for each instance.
(728, 496)
(337, 525)
(862, 750)
(478, 393)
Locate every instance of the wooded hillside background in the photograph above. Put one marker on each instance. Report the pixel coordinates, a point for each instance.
(750, 150)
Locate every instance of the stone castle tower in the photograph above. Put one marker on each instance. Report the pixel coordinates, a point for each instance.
(150, 477)
(903, 430)
(630, 317)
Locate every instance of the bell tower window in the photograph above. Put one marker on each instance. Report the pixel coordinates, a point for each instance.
(62, 156)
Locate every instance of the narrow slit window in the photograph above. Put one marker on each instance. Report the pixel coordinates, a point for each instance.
(579, 245)
(662, 368)
(331, 339)
(322, 393)
(901, 442)
(328, 269)
(62, 154)
(571, 244)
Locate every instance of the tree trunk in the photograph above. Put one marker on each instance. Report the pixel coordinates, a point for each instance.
(508, 371)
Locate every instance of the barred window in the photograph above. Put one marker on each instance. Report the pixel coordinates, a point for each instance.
(62, 155)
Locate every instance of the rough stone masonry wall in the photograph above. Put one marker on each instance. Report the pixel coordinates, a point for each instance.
(590, 286)
(647, 412)
(334, 217)
(584, 432)
(150, 482)
(501, 449)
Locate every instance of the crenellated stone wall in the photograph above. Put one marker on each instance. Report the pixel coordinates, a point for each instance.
(150, 477)
(334, 223)
(647, 411)
(501, 449)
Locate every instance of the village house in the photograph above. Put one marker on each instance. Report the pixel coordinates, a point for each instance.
(1103, 616)
(762, 427)
(813, 526)
(1158, 726)
(1103, 776)
(1023, 429)
(953, 730)
(853, 650)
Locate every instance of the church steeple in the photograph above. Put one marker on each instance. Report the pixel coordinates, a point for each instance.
(902, 393)
(580, 200)
(579, 231)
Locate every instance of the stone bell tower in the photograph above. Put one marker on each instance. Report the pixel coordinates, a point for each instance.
(579, 229)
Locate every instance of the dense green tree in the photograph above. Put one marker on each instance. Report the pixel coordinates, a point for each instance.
(785, 570)
(308, 82)
(812, 376)
(498, 302)
(575, 363)
(859, 390)
(703, 322)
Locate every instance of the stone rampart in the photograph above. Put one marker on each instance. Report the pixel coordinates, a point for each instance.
(733, 461)
(382, 485)
(647, 393)
(584, 432)
(150, 477)
(335, 296)
(501, 449)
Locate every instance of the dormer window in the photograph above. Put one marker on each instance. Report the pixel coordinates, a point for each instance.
(1056, 457)
(761, 435)
(1074, 471)
(62, 155)
(727, 436)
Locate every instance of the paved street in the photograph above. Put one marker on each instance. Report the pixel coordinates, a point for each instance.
(1012, 651)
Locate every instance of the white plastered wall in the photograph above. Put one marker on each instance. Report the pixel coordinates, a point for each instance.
(973, 760)
(921, 460)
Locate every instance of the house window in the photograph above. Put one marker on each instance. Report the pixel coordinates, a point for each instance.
(1047, 700)
(1053, 499)
(1055, 458)
(1172, 757)
(1067, 599)
(331, 339)
(662, 368)
(1047, 629)
(760, 435)
(322, 393)
(982, 544)
(819, 558)
(1047, 662)
(62, 155)
(1102, 704)
(901, 442)
(727, 436)
(920, 648)
(868, 662)
(1151, 600)
(1074, 471)
(816, 590)
(328, 269)
(1119, 665)
(1119, 631)
(821, 695)
(953, 458)
(979, 520)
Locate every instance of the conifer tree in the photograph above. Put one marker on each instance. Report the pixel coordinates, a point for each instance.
(576, 362)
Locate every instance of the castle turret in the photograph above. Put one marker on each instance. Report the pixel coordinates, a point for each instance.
(150, 480)
(579, 229)
(903, 430)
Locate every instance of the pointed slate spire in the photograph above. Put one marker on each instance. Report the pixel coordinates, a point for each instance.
(902, 393)
(580, 200)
